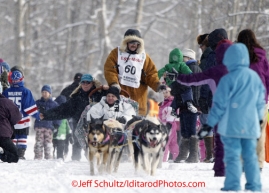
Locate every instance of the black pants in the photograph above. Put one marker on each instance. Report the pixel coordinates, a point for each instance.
(60, 148)
(76, 148)
(10, 150)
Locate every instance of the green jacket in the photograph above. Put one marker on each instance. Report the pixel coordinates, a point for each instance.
(176, 62)
(63, 130)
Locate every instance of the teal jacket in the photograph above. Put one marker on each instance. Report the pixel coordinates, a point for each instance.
(238, 103)
(176, 62)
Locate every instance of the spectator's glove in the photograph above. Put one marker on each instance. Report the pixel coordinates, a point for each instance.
(174, 113)
(41, 109)
(121, 120)
(70, 138)
(161, 87)
(204, 131)
(55, 132)
(203, 105)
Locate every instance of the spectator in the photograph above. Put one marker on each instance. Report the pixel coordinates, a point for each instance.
(45, 129)
(69, 89)
(238, 114)
(75, 106)
(9, 116)
(63, 136)
(24, 100)
(258, 63)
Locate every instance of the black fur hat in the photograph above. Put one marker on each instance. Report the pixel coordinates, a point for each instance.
(132, 32)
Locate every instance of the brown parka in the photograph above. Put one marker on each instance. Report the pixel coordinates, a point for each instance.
(149, 75)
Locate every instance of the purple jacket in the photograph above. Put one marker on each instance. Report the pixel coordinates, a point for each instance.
(262, 69)
(211, 76)
(9, 116)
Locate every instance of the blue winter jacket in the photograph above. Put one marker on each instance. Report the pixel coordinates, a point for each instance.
(46, 105)
(238, 103)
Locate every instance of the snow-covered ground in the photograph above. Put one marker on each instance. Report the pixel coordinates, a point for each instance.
(70, 176)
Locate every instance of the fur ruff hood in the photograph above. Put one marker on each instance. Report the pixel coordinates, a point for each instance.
(123, 46)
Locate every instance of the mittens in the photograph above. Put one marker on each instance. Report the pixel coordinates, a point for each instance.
(121, 120)
(204, 131)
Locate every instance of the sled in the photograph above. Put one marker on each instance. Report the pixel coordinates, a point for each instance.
(82, 126)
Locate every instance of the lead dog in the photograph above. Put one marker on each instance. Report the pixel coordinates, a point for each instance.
(149, 137)
(98, 142)
(117, 142)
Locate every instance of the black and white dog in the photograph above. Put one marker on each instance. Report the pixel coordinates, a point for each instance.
(149, 137)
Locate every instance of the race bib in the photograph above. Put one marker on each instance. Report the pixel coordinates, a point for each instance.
(130, 71)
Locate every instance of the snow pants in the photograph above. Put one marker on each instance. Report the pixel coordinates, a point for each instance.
(43, 141)
(234, 150)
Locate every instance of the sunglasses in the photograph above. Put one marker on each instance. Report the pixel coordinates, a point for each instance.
(134, 43)
(86, 82)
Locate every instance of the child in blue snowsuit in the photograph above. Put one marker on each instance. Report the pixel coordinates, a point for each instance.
(238, 108)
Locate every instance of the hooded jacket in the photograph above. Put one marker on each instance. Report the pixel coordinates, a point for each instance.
(175, 63)
(9, 116)
(262, 68)
(149, 76)
(238, 103)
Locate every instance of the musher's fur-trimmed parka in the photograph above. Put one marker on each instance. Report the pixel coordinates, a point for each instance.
(149, 76)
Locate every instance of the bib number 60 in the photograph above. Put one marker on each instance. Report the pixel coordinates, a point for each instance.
(130, 69)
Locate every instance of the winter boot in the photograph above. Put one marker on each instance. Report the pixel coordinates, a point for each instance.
(209, 149)
(183, 151)
(193, 156)
(21, 153)
(191, 108)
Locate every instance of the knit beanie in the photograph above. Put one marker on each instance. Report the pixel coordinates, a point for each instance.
(189, 53)
(215, 36)
(86, 77)
(47, 88)
(113, 90)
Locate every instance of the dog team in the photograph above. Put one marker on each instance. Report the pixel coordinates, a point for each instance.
(114, 122)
